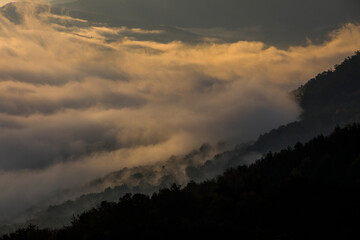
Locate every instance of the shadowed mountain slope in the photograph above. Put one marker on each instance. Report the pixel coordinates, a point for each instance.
(331, 98)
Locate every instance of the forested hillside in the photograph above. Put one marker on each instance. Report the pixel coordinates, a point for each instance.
(311, 191)
(331, 98)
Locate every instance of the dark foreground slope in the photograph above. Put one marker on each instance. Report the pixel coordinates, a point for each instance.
(311, 191)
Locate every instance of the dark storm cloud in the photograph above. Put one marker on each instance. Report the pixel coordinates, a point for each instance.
(282, 22)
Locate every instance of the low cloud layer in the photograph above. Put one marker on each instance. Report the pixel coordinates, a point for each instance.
(80, 101)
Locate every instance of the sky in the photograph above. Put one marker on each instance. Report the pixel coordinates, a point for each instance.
(81, 100)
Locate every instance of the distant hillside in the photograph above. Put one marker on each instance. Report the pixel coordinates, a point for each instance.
(309, 192)
(142, 179)
(331, 98)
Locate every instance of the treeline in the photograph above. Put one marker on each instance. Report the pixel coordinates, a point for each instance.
(310, 191)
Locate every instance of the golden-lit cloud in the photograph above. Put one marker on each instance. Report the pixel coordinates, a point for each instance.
(80, 101)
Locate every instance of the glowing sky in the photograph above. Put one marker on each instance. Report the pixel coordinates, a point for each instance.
(3, 2)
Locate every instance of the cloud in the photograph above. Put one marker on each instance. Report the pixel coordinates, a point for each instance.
(80, 101)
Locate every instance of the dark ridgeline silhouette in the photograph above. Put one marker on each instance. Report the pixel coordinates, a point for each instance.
(331, 98)
(311, 191)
